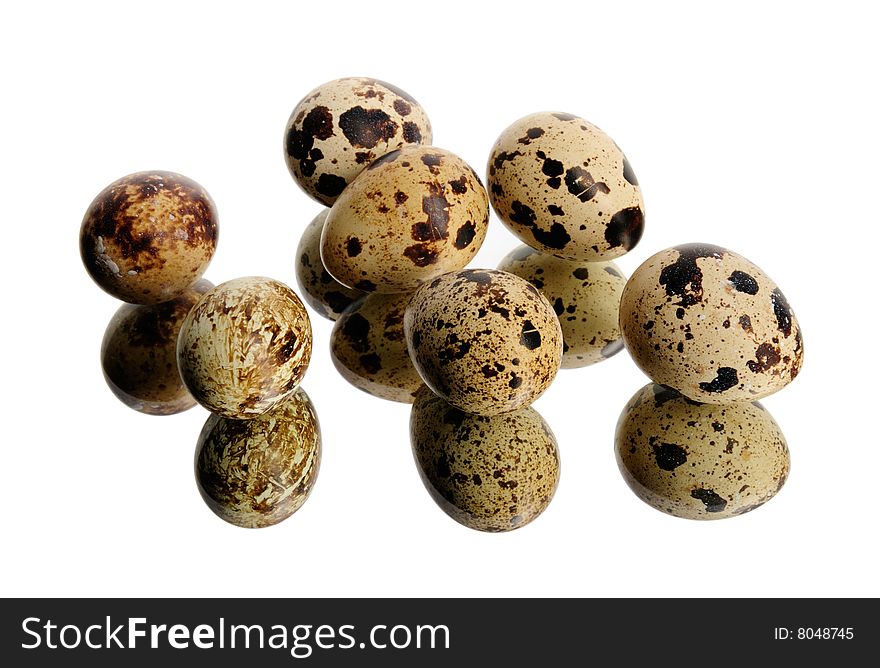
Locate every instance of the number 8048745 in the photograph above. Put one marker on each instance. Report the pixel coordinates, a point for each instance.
(814, 633)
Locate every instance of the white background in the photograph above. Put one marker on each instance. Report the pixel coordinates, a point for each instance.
(753, 127)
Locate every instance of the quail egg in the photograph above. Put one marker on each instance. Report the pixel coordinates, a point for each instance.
(149, 236)
(368, 347)
(342, 126)
(487, 473)
(245, 346)
(412, 215)
(327, 296)
(699, 461)
(585, 297)
(565, 188)
(709, 323)
(486, 341)
(256, 473)
(139, 354)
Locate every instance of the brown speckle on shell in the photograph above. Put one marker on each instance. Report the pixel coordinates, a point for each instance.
(245, 346)
(464, 322)
(149, 236)
(256, 473)
(487, 473)
(699, 461)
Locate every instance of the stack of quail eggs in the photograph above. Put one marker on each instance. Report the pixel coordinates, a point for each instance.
(470, 348)
(239, 349)
(714, 334)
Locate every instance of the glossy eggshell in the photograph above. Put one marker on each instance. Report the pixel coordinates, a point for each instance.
(245, 346)
(414, 214)
(256, 473)
(699, 461)
(368, 348)
(565, 188)
(327, 296)
(585, 297)
(139, 354)
(342, 126)
(149, 236)
(709, 323)
(485, 340)
(487, 473)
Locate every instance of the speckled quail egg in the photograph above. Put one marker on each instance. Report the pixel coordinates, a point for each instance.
(256, 473)
(699, 461)
(487, 473)
(368, 347)
(585, 297)
(139, 354)
(245, 346)
(149, 236)
(412, 215)
(709, 323)
(327, 296)
(486, 341)
(565, 188)
(342, 126)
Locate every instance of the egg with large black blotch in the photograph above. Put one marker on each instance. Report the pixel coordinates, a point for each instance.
(149, 236)
(487, 473)
(327, 296)
(245, 346)
(699, 461)
(139, 358)
(368, 347)
(710, 324)
(342, 126)
(256, 473)
(565, 188)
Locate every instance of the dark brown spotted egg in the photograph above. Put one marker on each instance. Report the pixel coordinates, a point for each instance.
(487, 473)
(565, 188)
(245, 346)
(368, 347)
(342, 126)
(712, 325)
(486, 341)
(585, 297)
(139, 354)
(699, 461)
(412, 215)
(149, 236)
(256, 473)
(327, 296)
